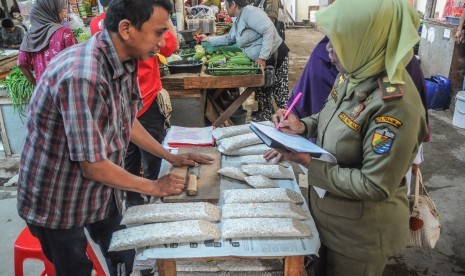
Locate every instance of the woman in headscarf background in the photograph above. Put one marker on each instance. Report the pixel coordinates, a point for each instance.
(373, 123)
(45, 39)
(256, 35)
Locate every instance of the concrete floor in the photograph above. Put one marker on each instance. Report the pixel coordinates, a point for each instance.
(443, 172)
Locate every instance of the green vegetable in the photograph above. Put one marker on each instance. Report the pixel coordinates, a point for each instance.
(19, 89)
(241, 60)
(199, 55)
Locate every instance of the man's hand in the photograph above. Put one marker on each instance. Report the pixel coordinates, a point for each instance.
(291, 125)
(190, 159)
(169, 184)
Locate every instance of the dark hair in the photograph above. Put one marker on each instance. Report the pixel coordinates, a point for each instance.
(136, 11)
(7, 23)
(240, 3)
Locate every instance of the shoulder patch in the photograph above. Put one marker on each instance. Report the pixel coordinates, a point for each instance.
(382, 140)
(388, 120)
(388, 90)
(353, 125)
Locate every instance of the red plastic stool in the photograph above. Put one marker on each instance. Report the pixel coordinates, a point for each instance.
(28, 247)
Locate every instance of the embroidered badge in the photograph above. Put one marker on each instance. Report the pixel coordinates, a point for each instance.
(357, 110)
(382, 140)
(334, 94)
(341, 79)
(369, 99)
(388, 90)
(388, 120)
(353, 125)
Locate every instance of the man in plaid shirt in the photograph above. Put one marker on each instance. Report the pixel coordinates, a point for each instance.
(81, 119)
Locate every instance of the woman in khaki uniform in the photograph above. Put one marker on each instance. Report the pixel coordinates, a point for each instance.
(373, 123)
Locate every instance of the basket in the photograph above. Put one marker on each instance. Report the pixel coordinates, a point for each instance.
(222, 71)
(185, 66)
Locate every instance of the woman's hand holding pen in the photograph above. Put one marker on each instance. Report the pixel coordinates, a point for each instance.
(290, 125)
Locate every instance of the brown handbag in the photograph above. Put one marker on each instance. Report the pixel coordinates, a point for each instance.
(424, 223)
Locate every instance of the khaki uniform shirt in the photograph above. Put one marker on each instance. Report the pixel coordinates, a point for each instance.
(374, 133)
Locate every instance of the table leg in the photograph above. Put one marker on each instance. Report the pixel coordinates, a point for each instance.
(294, 266)
(166, 267)
(233, 107)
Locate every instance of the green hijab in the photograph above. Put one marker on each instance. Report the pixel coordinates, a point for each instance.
(371, 36)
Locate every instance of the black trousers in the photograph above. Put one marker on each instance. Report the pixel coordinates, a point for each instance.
(154, 122)
(66, 248)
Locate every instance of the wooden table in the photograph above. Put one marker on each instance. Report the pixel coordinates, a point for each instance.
(291, 251)
(185, 85)
(293, 265)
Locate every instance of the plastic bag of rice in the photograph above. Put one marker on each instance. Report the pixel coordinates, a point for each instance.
(255, 149)
(270, 171)
(264, 228)
(262, 196)
(225, 132)
(232, 172)
(260, 181)
(166, 212)
(163, 233)
(263, 210)
(259, 159)
(240, 141)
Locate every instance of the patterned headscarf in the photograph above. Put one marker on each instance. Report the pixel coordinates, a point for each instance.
(45, 22)
(371, 36)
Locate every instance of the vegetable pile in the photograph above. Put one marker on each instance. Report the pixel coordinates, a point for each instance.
(19, 89)
(231, 63)
(80, 35)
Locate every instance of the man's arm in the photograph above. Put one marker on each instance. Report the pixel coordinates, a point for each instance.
(144, 140)
(112, 175)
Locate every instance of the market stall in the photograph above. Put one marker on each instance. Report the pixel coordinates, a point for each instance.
(198, 91)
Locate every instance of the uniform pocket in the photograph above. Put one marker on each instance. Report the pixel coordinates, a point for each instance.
(342, 207)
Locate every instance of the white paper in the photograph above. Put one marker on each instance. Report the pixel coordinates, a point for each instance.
(431, 34)
(189, 135)
(424, 32)
(295, 142)
(446, 33)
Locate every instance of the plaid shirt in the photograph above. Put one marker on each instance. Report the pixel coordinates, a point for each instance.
(82, 110)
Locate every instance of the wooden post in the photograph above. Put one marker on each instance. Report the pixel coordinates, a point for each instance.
(166, 267)
(430, 9)
(294, 266)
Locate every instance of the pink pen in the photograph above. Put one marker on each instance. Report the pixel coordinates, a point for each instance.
(288, 111)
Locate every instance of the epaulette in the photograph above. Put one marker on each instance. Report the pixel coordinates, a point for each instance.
(388, 90)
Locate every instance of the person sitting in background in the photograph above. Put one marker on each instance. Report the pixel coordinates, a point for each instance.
(373, 123)
(45, 39)
(12, 34)
(257, 37)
